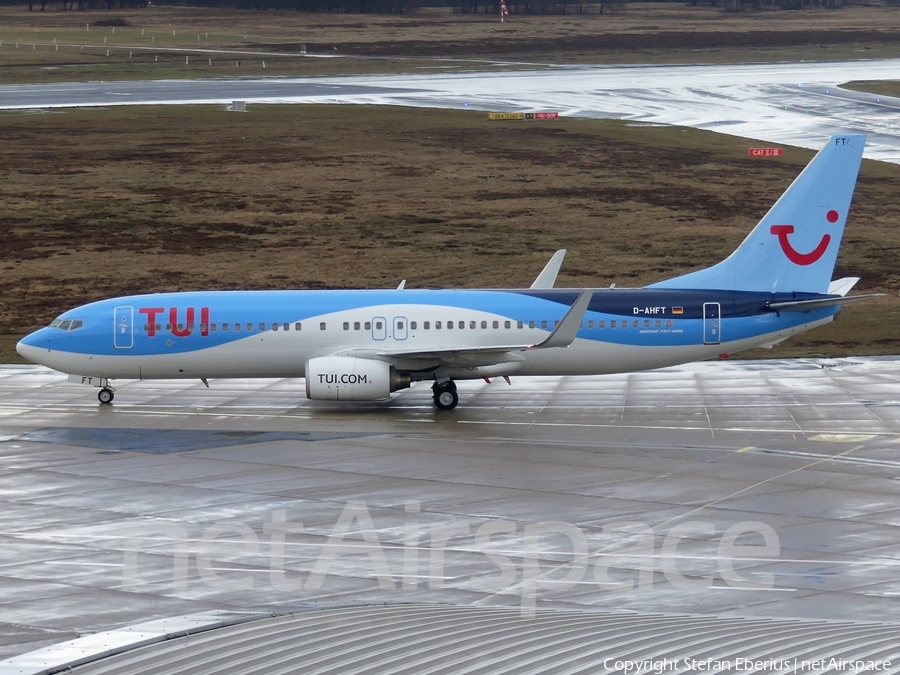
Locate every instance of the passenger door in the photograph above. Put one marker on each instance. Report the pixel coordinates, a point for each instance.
(712, 320)
(123, 335)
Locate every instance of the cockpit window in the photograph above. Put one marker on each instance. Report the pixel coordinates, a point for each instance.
(69, 324)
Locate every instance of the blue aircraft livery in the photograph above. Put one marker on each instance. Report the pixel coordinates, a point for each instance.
(365, 344)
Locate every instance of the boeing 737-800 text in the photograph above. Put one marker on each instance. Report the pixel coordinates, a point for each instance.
(365, 344)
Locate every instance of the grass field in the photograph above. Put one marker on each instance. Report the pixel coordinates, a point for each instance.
(885, 87)
(97, 203)
(64, 46)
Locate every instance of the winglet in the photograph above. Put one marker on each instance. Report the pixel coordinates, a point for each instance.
(564, 333)
(547, 277)
(402, 285)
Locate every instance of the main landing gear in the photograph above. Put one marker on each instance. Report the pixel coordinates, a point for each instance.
(445, 396)
(106, 395)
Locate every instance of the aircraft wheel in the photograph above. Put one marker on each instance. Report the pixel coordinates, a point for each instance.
(106, 396)
(445, 397)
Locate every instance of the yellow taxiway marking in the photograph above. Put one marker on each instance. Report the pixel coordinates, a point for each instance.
(841, 438)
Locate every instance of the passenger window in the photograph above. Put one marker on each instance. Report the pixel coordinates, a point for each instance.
(496, 324)
(346, 325)
(437, 325)
(658, 323)
(368, 325)
(378, 325)
(191, 327)
(449, 325)
(634, 324)
(412, 325)
(249, 327)
(180, 327)
(625, 323)
(531, 324)
(237, 328)
(556, 323)
(612, 324)
(543, 324)
(286, 326)
(591, 323)
(668, 323)
(462, 324)
(274, 326)
(157, 328)
(646, 323)
(426, 325)
(224, 327)
(472, 325)
(399, 325)
(297, 326)
(507, 324)
(168, 326)
(213, 327)
(484, 324)
(146, 327)
(202, 327)
(262, 326)
(602, 324)
(520, 324)
(322, 326)
(356, 325)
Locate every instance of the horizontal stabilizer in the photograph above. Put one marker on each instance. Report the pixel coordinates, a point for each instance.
(806, 305)
(547, 277)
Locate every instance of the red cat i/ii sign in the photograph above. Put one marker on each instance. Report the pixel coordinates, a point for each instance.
(765, 152)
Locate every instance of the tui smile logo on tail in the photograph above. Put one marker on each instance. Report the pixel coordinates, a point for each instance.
(782, 232)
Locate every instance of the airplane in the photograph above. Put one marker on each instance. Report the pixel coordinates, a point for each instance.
(365, 344)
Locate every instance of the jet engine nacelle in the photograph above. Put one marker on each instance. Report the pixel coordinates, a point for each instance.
(346, 378)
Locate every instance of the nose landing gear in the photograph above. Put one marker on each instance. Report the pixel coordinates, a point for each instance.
(445, 396)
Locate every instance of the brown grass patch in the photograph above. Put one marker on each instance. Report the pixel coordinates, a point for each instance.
(55, 45)
(98, 203)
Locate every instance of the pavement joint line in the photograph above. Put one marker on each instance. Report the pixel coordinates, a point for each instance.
(601, 552)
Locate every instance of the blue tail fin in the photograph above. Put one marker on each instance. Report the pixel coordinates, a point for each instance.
(793, 248)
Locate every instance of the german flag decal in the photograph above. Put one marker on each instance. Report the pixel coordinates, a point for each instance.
(678, 310)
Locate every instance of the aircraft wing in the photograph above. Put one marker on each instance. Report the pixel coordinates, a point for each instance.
(562, 336)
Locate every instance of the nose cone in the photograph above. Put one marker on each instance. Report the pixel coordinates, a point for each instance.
(28, 346)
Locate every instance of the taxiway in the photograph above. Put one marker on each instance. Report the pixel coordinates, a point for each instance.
(164, 503)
